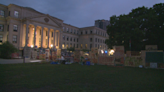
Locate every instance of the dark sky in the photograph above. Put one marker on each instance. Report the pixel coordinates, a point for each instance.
(82, 13)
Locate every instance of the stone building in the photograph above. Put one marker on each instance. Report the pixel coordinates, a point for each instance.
(25, 27)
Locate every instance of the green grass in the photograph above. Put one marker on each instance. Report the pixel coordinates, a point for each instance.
(37, 77)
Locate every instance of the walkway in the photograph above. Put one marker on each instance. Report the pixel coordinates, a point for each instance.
(16, 61)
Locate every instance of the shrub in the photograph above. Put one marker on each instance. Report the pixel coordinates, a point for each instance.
(6, 49)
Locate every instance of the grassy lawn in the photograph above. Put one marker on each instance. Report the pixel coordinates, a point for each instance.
(38, 77)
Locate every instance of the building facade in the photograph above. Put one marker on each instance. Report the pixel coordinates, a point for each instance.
(26, 27)
(102, 24)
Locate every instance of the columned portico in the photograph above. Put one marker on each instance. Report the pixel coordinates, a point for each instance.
(41, 36)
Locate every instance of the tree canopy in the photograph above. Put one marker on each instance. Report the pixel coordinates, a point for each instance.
(142, 26)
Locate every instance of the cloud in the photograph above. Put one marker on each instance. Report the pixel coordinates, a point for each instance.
(82, 13)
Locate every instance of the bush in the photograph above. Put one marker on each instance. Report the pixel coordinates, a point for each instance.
(6, 49)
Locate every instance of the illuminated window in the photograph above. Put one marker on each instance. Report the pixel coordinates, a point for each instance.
(70, 44)
(14, 39)
(81, 46)
(63, 46)
(67, 46)
(1, 27)
(86, 46)
(15, 28)
(16, 14)
(2, 13)
(1, 38)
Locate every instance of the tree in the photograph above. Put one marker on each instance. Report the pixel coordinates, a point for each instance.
(6, 49)
(142, 26)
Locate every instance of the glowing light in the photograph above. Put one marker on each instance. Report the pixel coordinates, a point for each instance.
(102, 51)
(86, 54)
(32, 46)
(111, 52)
(106, 51)
(51, 45)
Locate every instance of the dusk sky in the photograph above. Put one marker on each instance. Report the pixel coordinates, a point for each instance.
(83, 13)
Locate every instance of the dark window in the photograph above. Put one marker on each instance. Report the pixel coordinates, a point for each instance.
(90, 39)
(95, 45)
(91, 32)
(81, 32)
(71, 30)
(74, 31)
(67, 38)
(77, 45)
(1, 38)
(98, 46)
(74, 46)
(1, 27)
(74, 39)
(52, 34)
(40, 32)
(9, 13)
(46, 41)
(98, 40)
(14, 39)
(46, 33)
(71, 39)
(77, 39)
(15, 28)
(90, 46)
(85, 32)
(95, 39)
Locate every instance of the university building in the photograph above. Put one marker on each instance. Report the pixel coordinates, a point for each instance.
(25, 27)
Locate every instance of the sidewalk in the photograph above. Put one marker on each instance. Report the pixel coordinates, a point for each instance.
(16, 61)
